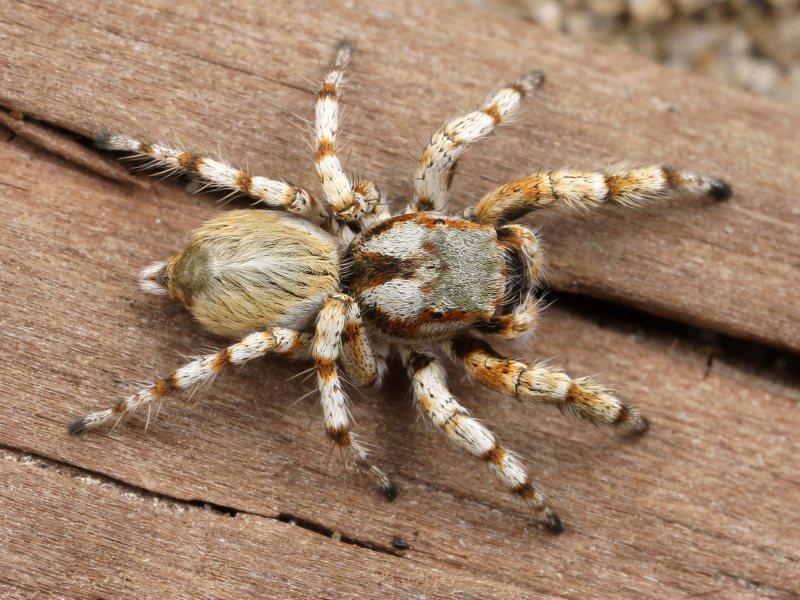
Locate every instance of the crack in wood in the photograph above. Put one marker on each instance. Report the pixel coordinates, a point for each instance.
(78, 472)
(748, 355)
(66, 144)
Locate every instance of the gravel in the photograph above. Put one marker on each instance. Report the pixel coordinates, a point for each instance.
(751, 44)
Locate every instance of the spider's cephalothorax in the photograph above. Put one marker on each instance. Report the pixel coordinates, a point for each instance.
(421, 277)
(296, 283)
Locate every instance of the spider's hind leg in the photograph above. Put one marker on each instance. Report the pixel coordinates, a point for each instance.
(276, 340)
(339, 316)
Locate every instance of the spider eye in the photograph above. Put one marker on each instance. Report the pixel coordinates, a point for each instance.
(437, 314)
(439, 222)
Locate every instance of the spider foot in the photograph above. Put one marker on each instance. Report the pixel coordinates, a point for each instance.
(551, 522)
(631, 423)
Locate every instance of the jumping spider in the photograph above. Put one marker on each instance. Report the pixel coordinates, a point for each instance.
(298, 283)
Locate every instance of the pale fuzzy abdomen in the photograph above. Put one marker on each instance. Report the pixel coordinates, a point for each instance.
(250, 269)
(422, 277)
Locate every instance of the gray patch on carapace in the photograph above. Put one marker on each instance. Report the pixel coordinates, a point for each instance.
(443, 267)
(469, 275)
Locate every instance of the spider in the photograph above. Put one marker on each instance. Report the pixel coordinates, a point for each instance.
(346, 283)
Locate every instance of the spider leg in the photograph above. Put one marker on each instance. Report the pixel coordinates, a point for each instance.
(519, 322)
(526, 252)
(216, 174)
(437, 164)
(275, 340)
(435, 401)
(581, 397)
(363, 361)
(643, 185)
(338, 310)
(349, 201)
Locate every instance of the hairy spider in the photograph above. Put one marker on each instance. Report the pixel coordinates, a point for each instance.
(345, 282)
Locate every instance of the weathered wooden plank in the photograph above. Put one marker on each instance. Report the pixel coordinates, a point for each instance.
(233, 75)
(702, 505)
(69, 535)
(60, 144)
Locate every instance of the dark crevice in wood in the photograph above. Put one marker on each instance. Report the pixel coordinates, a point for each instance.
(748, 356)
(333, 534)
(66, 144)
(71, 470)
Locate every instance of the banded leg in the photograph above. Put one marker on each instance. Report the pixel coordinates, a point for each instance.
(519, 322)
(524, 243)
(276, 340)
(362, 361)
(437, 164)
(528, 261)
(349, 201)
(583, 398)
(440, 406)
(325, 350)
(218, 175)
(629, 186)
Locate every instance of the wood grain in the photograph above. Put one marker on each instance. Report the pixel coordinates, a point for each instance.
(227, 79)
(702, 506)
(154, 548)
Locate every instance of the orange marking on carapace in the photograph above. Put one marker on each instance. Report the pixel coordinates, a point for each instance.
(433, 221)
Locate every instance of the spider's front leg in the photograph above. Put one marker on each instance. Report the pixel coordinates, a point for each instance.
(215, 174)
(338, 315)
(643, 185)
(440, 406)
(437, 164)
(275, 340)
(581, 397)
(349, 201)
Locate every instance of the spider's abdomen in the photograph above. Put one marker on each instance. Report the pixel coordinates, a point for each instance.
(422, 277)
(250, 269)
